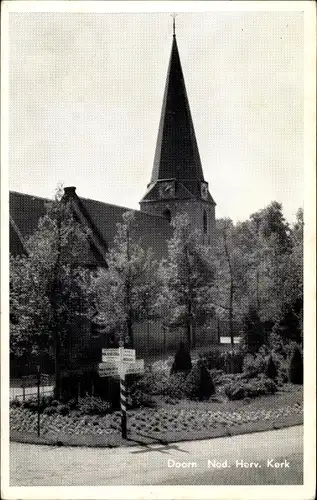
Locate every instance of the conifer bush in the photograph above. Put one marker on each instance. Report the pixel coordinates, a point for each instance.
(271, 370)
(182, 361)
(296, 366)
(199, 383)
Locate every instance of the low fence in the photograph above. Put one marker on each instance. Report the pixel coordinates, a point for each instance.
(27, 387)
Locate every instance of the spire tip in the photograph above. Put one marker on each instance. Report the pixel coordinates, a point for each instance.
(174, 16)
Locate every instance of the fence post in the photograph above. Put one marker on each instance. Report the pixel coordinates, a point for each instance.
(23, 393)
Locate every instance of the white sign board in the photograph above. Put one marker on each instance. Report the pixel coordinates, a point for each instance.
(114, 355)
(107, 370)
(110, 353)
(136, 367)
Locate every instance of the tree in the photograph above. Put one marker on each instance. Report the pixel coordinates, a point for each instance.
(231, 272)
(50, 286)
(186, 278)
(126, 291)
(273, 248)
(252, 331)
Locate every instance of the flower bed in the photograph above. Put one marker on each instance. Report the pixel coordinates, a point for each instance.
(182, 417)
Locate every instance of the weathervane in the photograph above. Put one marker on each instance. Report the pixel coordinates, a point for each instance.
(174, 16)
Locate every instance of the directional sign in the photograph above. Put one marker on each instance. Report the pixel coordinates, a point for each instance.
(129, 355)
(112, 364)
(136, 367)
(114, 355)
(110, 353)
(106, 370)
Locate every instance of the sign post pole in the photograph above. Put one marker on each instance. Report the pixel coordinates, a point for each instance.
(123, 393)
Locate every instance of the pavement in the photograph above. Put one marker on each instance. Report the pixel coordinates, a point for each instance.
(272, 457)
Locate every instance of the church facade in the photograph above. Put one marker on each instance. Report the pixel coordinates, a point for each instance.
(177, 185)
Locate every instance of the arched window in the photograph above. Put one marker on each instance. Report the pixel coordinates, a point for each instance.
(167, 214)
(205, 222)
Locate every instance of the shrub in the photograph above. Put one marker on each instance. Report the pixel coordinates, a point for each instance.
(93, 406)
(162, 365)
(63, 409)
(152, 383)
(271, 368)
(296, 366)
(139, 399)
(15, 403)
(199, 384)
(253, 365)
(214, 359)
(31, 403)
(233, 361)
(182, 361)
(229, 361)
(72, 403)
(259, 386)
(50, 410)
(175, 386)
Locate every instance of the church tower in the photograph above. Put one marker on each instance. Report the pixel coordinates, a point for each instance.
(177, 184)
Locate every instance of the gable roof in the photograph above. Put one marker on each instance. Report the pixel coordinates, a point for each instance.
(101, 218)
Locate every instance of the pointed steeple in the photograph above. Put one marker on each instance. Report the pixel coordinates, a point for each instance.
(176, 154)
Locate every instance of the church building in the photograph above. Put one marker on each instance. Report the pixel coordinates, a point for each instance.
(177, 185)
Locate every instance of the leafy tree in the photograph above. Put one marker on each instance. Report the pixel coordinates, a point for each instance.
(186, 279)
(182, 361)
(231, 273)
(49, 286)
(125, 291)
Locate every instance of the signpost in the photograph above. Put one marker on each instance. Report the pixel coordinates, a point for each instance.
(120, 362)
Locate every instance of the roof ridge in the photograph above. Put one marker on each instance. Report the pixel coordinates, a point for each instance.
(30, 195)
(121, 206)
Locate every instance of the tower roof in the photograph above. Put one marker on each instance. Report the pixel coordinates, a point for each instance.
(176, 154)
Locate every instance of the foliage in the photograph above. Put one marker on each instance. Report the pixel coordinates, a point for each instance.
(271, 370)
(63, 409)
(139, 399)
(49, 286)
(228, 361)
(258, 386)
(296, 366)
(199, 384)
(185, 281)
(182, 361)
(213, 359)
(50, 410)
(152, 383)
(125, 291)
(231, 272)
(93, 406)
(253, 336)
(31, 403)
(15, 403)
(254, 365)
(175, 386)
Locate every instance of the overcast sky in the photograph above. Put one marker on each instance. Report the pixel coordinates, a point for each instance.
(86, 93)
